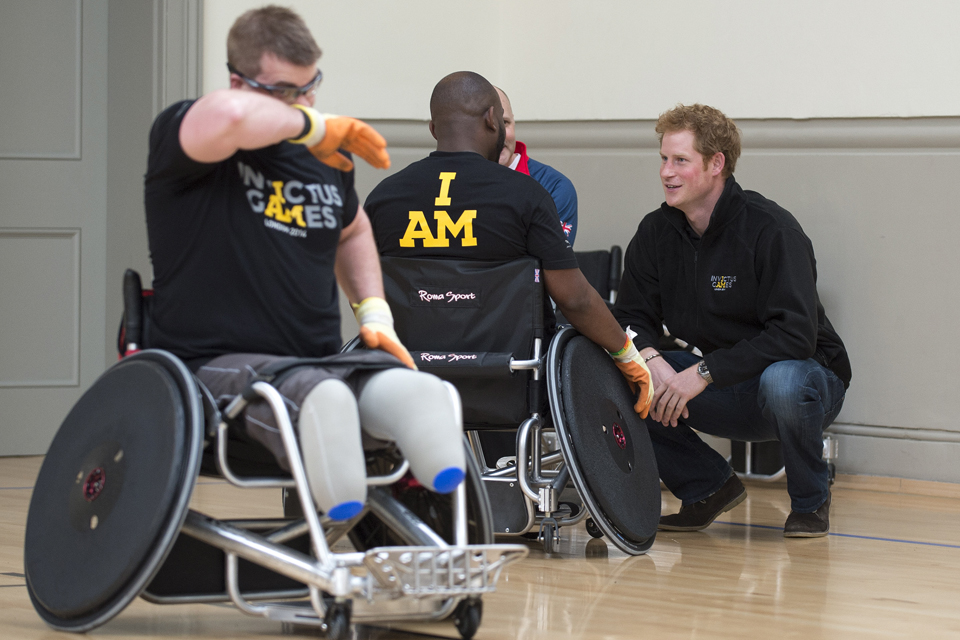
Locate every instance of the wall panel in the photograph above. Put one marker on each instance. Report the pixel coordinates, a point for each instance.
(40, 314)
(40, 101)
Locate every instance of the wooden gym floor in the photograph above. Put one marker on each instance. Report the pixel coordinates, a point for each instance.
(889, 569)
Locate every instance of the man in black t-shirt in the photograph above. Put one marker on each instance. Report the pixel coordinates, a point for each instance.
(252, 220)
(476, 210)
(460, 203)
(223, 233)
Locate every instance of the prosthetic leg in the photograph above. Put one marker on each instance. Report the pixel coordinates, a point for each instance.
(329, 429)
(421, 413)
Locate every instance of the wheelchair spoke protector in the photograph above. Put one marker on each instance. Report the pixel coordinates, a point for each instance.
(113, 491)
(604, 441)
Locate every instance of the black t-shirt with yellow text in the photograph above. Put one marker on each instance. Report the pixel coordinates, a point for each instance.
(461, 205)
(243, 250)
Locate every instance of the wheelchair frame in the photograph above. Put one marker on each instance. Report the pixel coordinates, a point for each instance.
(536, 477)
(429, 580)
(540, 486)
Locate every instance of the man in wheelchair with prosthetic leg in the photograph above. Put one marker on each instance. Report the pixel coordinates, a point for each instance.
(253, 220)
(465, 286)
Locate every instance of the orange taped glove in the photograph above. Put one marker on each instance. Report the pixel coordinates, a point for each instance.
(329, 133)
(635, 370)
(376, 329)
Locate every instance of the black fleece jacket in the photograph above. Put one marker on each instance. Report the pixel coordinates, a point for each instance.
(745, 293)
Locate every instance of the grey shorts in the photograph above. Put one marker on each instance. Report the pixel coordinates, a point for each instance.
(227, 376)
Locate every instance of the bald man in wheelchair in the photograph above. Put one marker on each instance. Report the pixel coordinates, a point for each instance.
(504, 215)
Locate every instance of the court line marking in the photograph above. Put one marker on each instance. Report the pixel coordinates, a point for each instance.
(847, 535)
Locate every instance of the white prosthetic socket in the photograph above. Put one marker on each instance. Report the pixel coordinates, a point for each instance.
(329, 428)
(419, 412)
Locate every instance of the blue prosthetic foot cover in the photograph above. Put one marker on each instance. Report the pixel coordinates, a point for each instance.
(448, 479)
(345, 510)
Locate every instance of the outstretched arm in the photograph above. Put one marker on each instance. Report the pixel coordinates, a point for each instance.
(583, 307)
(225, 121)
(588, 313)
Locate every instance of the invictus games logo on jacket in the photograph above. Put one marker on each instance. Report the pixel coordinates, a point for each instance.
(427, 296)
(722, 283)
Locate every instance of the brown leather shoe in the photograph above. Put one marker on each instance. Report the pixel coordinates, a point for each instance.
(808, 525)
(699, 515)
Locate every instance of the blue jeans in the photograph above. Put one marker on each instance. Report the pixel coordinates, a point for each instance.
(792, 401)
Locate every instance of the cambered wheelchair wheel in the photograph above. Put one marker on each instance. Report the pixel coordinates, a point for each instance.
(113, 491)
(436, 510)
(604, 442)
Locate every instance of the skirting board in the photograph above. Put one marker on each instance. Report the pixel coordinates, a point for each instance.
(915, 459)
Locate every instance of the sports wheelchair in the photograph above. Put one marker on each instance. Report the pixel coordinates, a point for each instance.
(482, 327)
(109, 518)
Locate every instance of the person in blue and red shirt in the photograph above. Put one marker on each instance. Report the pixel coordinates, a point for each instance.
(514, 156)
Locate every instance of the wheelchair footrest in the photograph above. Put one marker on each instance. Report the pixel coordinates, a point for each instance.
(437, 571)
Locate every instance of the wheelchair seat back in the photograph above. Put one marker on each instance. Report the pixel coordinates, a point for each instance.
(602, 269)
(462, 320)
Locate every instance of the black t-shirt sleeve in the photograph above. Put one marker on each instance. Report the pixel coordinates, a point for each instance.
(167, 161)
(545, 238)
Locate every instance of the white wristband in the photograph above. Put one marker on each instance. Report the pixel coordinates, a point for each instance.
(318, 127)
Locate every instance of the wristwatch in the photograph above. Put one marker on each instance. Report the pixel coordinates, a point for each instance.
(704, 372)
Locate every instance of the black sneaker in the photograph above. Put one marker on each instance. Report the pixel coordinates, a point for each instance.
(699, 515)
(808, 525)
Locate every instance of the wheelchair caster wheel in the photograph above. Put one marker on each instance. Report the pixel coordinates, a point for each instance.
(466, 617)
(549, 532)
(593, 529)
(337, 620)
(832, 472)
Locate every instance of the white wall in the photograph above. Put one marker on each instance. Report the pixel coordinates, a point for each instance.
(630, 59)
(873, 188)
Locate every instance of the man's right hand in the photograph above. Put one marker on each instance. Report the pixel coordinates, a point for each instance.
(329, 133)
(376, 329)
(670, 396)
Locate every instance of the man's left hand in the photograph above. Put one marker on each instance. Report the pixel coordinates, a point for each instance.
(376, 329)
(671, 397)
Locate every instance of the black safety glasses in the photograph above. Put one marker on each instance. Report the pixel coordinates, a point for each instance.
(283, 92)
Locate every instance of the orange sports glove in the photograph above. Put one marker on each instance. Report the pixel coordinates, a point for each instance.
(635, 370)
(329, 133)
(376, 329)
